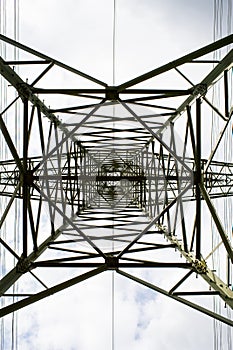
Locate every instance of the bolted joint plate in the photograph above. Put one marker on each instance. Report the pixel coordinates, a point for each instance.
(24, 90)
(112, 262)
(200, 89)
(111, 93)
(23, 265)
(27, 178)
(200, 266)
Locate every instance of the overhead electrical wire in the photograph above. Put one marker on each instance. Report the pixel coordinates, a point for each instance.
(9, 23)
(14, 323)
(222, 25)
(214, 128)
(229, 147)
(218, 32)
(2, 154)
(113, 83)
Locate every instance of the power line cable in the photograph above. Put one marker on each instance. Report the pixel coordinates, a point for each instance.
(14, 324)
(113, 83)
(222, 25)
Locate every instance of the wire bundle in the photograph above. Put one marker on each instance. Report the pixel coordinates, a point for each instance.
(9, 332)
(222, 25)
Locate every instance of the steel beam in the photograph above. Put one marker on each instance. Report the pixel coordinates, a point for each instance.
(198, 178)
(185, 59)
(209, 79)
(217, 221)
(200, 267)
(155, 135)
(10, 144)
(177, 298)
(50, 291)
(70, 222)
(24, 264)
(49, 59)
(84, 173)
(153, 222)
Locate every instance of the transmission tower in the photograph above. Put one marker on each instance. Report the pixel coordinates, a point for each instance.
(126, 179)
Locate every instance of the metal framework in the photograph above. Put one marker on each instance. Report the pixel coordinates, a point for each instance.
(122, 178)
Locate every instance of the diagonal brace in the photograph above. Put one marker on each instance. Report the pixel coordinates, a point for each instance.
(217, 221)
(50, 291)
(175, 297)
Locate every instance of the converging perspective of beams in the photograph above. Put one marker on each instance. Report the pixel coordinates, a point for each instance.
(122, 178)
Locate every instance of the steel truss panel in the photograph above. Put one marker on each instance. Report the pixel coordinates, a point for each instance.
(117, 183)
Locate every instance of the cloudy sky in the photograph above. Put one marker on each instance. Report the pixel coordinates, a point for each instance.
(148, 34)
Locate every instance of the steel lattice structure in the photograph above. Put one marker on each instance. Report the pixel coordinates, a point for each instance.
(123, 179)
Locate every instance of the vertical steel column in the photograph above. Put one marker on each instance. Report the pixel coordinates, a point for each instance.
(198, 178)
(180, 205)
(25, 184)
(226, 94)
(76, 156)
(141, 190)
(147, 197)
(82, 172)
